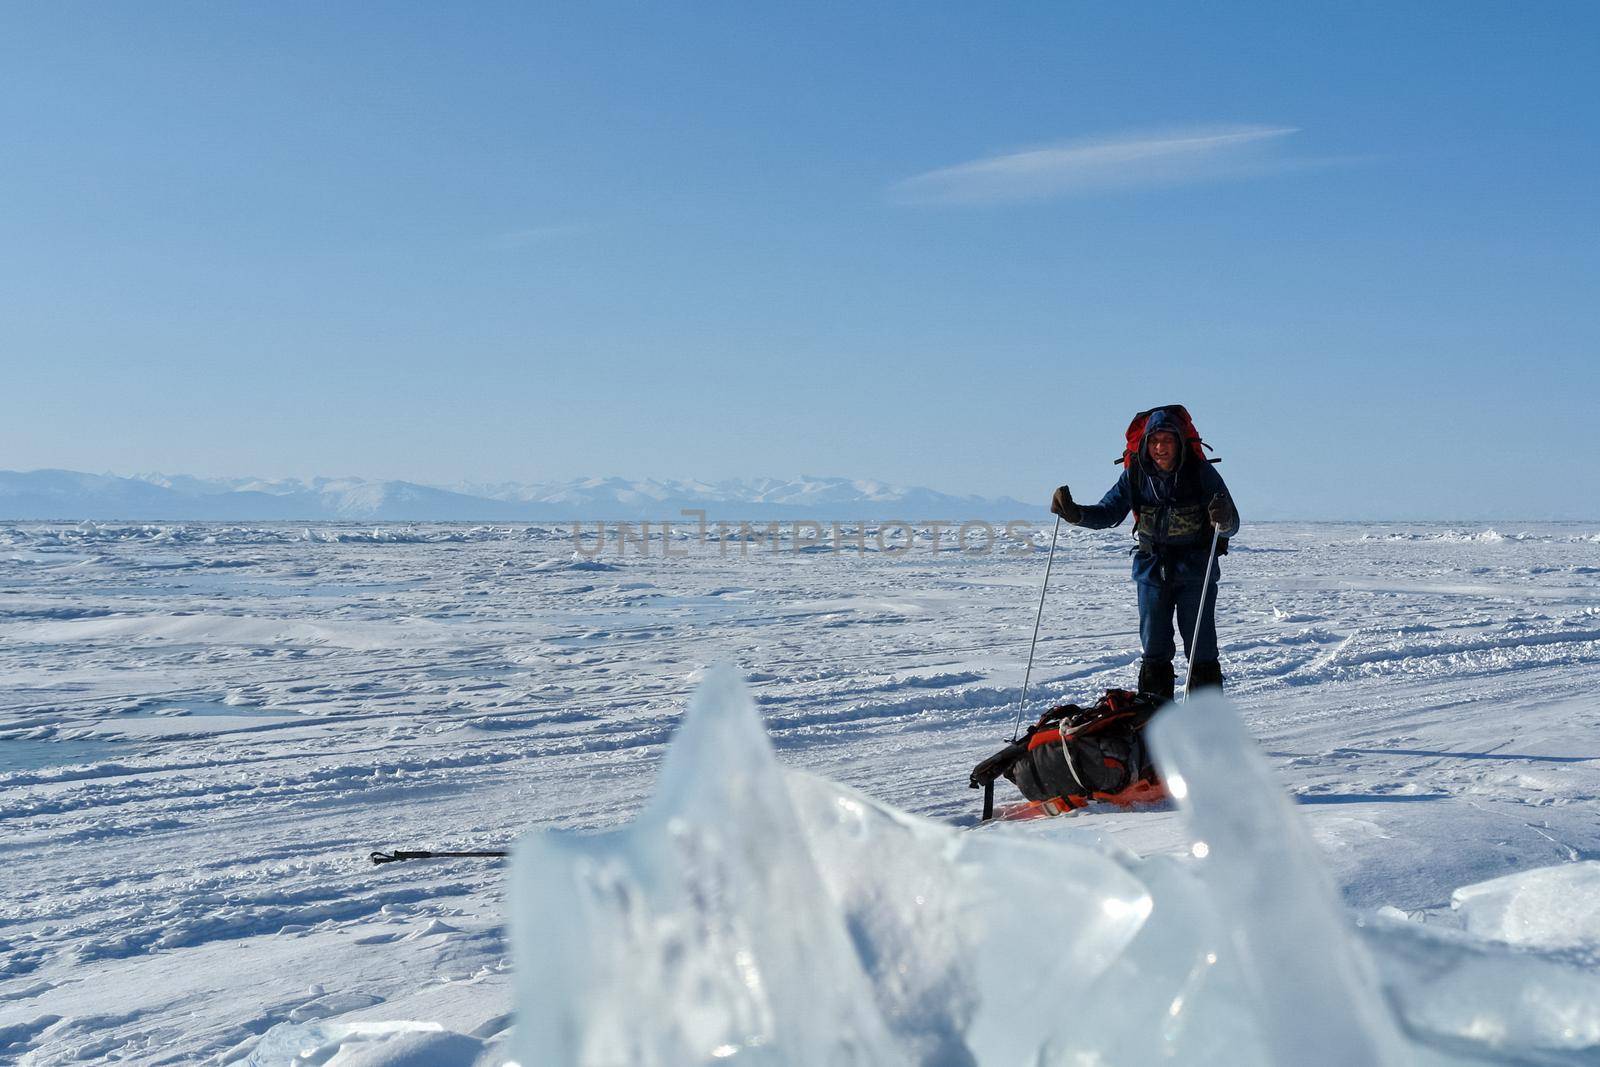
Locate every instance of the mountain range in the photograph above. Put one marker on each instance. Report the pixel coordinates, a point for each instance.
(60, 495)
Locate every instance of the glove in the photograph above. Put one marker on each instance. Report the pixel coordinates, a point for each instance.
(1220, 511)
(1061, 504)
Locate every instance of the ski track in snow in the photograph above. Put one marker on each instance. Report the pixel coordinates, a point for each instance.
(205, 729)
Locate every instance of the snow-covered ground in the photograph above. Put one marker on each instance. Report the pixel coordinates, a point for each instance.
(205, 729)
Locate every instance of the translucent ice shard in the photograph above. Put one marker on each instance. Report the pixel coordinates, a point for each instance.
(1493, 1002)
(698, 933)
(775, 918)
(1548, 907)
(1174, 995)
(968, 938)
(1313, 993)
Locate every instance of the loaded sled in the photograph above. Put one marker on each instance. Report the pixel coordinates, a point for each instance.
(1076, 756)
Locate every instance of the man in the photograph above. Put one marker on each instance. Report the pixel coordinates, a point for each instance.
(1180, 499)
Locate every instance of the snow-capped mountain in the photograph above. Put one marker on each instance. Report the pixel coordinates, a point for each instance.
(71, 495)
(804, 497)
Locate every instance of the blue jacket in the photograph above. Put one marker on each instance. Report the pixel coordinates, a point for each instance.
(1173, 530)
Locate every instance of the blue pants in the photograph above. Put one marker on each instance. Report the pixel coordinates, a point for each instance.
(1158, 602)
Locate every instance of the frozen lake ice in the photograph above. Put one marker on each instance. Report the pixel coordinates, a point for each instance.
(176, 886)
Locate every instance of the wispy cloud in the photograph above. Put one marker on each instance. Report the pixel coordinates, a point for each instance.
(1102, 164)
(532, 235)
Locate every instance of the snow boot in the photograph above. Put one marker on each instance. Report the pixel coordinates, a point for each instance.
(1155, 678)
(1207, 673)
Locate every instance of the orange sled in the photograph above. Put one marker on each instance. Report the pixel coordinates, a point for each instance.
(1137, 795)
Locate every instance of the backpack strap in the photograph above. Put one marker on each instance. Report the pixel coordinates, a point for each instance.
(1135, 472)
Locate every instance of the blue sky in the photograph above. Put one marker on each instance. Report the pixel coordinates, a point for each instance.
(950, 244)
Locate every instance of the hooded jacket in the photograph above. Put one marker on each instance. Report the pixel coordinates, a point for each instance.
(1173, 529)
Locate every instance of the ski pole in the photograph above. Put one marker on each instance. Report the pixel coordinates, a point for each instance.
(397, 855)
(1048, 563)
(1205, 587)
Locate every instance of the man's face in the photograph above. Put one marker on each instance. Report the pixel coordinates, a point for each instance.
(1164, 450)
